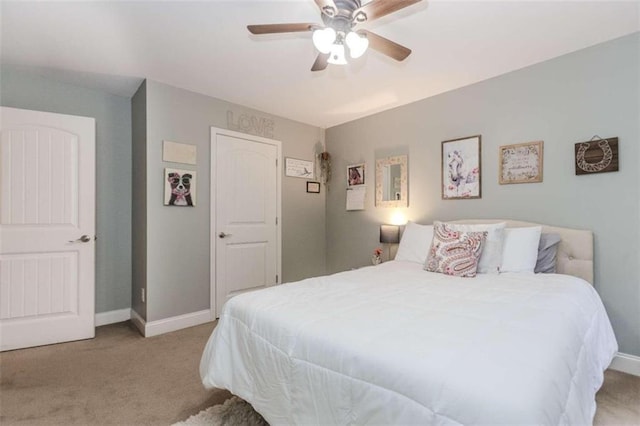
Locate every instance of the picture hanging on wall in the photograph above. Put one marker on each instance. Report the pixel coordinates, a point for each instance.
(521, 163)
(460, 169)
(294, 167)
(313, 187)
(355, 175)
(179, 187)
(596, 156)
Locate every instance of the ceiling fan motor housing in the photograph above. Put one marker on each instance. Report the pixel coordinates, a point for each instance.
(342, 21)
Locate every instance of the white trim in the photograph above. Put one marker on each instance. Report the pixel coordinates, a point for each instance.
(212, 220)
(138, 321)
(626, 363)
(167, 325)
(112, 317)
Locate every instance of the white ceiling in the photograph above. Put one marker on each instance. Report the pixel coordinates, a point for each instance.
(205, 47)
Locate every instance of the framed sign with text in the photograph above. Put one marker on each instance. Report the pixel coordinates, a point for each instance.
(521, 163)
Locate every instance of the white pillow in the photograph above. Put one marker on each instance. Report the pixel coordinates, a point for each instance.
(491, 257)
(415, 243)
(520, 249)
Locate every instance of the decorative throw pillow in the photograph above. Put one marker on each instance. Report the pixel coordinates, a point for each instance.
(415, 243)
(547, 253)
(454, 252)
(491, 257)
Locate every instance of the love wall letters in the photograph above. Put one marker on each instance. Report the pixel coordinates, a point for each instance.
(252, 124)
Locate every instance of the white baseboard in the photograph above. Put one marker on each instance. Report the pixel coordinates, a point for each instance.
(137, 320)
(626, 363)
(167, 325)
(112, 317)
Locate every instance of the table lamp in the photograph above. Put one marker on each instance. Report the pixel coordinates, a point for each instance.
(389, 234)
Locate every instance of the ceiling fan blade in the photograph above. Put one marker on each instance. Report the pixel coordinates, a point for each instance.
(281, 28)
(378, 8)
(386, 46)
(328, 7)
(321, 62)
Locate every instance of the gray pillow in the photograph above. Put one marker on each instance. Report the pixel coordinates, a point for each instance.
(547, 253)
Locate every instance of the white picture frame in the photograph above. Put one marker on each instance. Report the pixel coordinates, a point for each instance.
(297, 168)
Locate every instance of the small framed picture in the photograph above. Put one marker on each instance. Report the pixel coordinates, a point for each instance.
(313, 187)
(461, 178)
(179, 187)
(521, 163)
(355, 175)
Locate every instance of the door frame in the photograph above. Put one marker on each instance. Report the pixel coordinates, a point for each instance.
(212, 214)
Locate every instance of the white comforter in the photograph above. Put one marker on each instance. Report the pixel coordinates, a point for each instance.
(393, 344)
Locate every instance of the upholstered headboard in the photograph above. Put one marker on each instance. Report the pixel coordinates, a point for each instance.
(575, 252)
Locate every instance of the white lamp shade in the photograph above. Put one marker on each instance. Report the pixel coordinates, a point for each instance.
(323, 39)
(337, 55)
(357, 44)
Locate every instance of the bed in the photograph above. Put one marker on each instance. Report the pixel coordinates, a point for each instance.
(394, 344)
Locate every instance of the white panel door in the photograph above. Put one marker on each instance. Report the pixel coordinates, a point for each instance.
(246, 236)
(47, 228)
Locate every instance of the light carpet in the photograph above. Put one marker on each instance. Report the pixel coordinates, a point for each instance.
(619, 408)
(121, 378)
(234, 411)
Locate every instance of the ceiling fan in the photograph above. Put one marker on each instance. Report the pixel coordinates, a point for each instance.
(340, 17)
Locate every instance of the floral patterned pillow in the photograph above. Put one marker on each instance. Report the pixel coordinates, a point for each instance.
(454, 252)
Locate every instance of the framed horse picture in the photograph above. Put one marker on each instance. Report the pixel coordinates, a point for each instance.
(461, 175)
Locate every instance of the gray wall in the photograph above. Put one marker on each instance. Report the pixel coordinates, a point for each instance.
(178, 238)
(562, 101)
(21, 89)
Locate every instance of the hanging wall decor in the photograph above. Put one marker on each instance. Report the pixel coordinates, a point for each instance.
(325, 167)
(179, 187)
(461, 178)
(313, 187)
(355, 175)
(294, 167)
(249, 123)
(175, 152)
(521, 163)
(596, 156)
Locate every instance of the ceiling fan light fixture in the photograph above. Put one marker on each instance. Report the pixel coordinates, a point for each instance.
(357, 44)
(323, 39)
(337, 57)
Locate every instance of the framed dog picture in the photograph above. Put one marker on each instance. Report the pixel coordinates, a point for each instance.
(179, 187)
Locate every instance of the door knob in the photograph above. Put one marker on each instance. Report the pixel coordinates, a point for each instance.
(83, 239)
(223, 235)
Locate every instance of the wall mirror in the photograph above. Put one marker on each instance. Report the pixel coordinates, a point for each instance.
(391, 182)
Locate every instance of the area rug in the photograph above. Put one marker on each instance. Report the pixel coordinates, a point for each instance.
(234, 411)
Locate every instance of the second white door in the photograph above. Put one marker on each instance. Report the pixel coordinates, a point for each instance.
(246, 203)
(47, 228)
